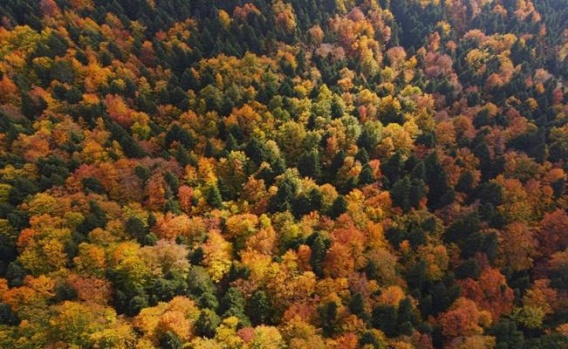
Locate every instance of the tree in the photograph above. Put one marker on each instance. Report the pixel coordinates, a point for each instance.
(464, 319)
(439, 192)
(338, 207)
(552, 237)
(328, 313)
(267, 337)
(357, 306)
(309, 165)
(207, 323)
(400, 193)
(7, 316)
(96, 218)
(217, 255)
(366, 176)
(259, 308)
(319, 250)
(170, 340)
(507, 334)
(214, 198)
(178, 134)
(136, 228)
(491, 293)
(405, 317)
(518, 246)
(21, 188)
(74, 323)
(384, 317)
(233, 304)
(285, 194)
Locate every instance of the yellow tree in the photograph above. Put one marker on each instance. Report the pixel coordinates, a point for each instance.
(218, 255)
(74, 323)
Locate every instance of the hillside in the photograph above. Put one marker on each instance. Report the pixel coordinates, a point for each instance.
(284, 174)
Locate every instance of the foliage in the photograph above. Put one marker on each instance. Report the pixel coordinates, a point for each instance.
(293, 173)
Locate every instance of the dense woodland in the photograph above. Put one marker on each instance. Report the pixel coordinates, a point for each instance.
(284, 174)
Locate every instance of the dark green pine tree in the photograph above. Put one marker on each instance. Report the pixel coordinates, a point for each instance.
(309, 165)
(136, 228)
(357, 306)
(328, 316)
(440, 193)
(259, 308)
(319, 250)
(366, 141)
(400, 193)
(282, 200)
(183, 157)
(179, 134)
(369, 339)
(233, 298)
(507, 335)
(392, 169)
(406, 318)
(254, 150)
(366, 176)
(96, 218)
(338, 207)
(362, 156)
(208, 301)
(207, 323)
(214, 198)
(170, 340)
(384, 317)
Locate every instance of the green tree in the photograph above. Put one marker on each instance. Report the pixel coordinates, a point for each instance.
(170, 340)
(207, 323)
(214, 198)
(284, 196)
(338, 207)
(96, 218)
(366, 176)
(384, 317)
(328, 317)
(136, 228)
(319, 250)
(309, 165)
(357, 306)
(259, 308)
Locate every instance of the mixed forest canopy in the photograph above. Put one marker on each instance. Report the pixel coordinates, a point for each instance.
(284, 174)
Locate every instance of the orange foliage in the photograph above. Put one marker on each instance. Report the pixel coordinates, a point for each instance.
(118, 110)
(8, 91)
(464, 319)
(490, 292)
(49, 8)
(552, 235)
(91, 289)
(171, 226)
(391, 296)
(518, 246)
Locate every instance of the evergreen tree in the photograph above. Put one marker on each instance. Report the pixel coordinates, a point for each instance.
(259, 308)
(384, 317)
(207, 323)
(338, 207)
(170, 340)
(282, 200)
(214, 198)
(319, 250)
(309, 165)
(328, 315)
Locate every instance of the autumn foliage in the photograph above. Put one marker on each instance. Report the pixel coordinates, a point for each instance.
(283, 174)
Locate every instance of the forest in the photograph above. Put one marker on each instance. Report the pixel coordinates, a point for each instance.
(249, 174)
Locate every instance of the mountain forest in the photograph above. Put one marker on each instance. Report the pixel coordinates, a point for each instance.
(249, 174)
